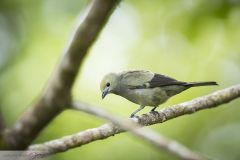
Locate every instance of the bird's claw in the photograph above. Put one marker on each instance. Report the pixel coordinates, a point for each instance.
(153, 111)
(133, 116)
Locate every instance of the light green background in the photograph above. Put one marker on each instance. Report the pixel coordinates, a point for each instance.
(189, 40)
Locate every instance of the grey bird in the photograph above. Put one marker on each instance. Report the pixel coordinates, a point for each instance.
(145, 88)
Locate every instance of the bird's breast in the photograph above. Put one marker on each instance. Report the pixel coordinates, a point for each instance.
(146, 97)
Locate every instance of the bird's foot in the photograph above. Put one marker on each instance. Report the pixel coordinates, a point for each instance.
(133, 116)
(153, 110)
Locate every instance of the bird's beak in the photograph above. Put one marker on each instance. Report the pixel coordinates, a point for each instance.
(105, 92)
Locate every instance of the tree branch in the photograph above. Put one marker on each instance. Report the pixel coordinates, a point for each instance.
(58, 92)
(159, 141)
(2, 127)
(2, 124)
(209, 101)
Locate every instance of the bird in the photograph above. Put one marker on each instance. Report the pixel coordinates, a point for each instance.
(145, 88)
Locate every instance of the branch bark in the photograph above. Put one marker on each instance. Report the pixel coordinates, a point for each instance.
(209, 101)
(58, 92)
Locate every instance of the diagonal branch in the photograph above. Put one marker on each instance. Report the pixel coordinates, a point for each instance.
(159, 141)
(58, 92)
(209, 101)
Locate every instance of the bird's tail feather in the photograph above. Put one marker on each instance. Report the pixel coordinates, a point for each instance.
(197, 84)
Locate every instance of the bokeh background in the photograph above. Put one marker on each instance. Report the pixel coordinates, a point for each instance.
(190, 40)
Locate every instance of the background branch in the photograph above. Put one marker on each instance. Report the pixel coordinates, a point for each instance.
(209, 101)
(2, 127)
(2, 123)
(58, 92)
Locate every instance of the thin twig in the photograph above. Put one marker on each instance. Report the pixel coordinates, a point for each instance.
(58, 92)
(209, 101)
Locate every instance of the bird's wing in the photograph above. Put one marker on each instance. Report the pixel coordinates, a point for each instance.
(145, 79)
(160, 80)
(136, 78)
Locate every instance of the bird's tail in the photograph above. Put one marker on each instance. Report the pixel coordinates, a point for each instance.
(197, 84)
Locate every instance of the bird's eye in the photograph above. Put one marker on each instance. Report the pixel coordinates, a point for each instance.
(108, 84)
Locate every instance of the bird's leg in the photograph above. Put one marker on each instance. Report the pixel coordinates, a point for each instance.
(139, 109)
(153, 110)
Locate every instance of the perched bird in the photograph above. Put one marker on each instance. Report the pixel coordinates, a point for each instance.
(144, 87)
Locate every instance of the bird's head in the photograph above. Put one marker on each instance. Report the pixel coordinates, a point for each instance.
(109, 84)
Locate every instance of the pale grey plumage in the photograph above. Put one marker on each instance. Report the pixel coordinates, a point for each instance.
(144, 87)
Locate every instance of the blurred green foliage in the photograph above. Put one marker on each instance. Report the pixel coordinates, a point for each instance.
(189, 40)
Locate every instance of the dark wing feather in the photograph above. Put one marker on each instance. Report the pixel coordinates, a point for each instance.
(160, 80)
